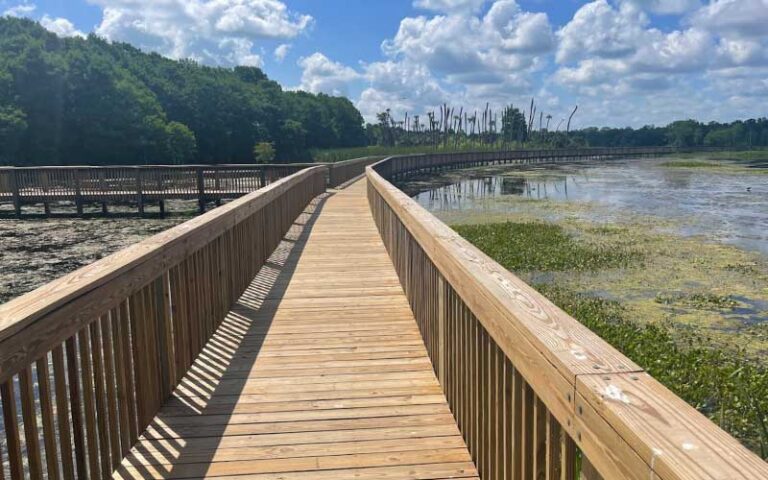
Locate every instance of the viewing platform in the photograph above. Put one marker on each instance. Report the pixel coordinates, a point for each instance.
(301, 332)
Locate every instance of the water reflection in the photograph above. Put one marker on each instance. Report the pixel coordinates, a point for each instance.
(725, 206)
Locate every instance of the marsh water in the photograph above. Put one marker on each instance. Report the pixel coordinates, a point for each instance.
(35, 251)
(719, 204)
(702, 233)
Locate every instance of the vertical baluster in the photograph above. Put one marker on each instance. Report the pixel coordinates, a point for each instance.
(529, 449)
(46, 410)
(165, 332)
(101, 401)
(29, 413)
(152, 353)
(78, 427)
(178, 328)
(500, 413)
(485, 424)
(110, 376)
(62, 412)
(138, 350)
(539, 438)
(567, 457)
(89, 408)
(12, 434)
(554, 448)
(127, 339)
(472, 384)
(121, 386)
(509, 415)
(519, 412)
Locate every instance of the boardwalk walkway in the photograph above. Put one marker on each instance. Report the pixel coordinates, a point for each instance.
(312, 376)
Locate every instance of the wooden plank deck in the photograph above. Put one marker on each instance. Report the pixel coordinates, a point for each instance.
(319, 372)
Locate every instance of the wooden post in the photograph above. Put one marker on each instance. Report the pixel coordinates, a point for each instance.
(78, 193)
(139, 191)
(217, 186)
(45, 184)
(16, 192)
(103, 188)
(200, 189)
(162, 208)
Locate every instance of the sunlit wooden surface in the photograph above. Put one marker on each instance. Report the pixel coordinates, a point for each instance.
(311, 376)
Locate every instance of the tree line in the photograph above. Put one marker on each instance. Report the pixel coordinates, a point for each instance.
(684, 133)
(66, 101)
(459, 128)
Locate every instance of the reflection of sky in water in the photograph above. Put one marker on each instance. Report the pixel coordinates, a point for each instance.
(725, 206)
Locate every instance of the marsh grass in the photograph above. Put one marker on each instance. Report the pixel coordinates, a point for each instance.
(722, 382)
(690, 164)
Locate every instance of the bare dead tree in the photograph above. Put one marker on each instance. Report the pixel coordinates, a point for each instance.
(407, 127)
(568, 128)
(530, 117)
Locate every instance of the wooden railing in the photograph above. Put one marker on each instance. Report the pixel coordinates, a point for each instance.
(536, 394)
(155, 183)
(91, 357)
(428, 163)
(138, 184)
(340, 173)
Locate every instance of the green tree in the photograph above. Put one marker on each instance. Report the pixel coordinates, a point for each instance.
(180, 143)
(13, 124)
(264, 152)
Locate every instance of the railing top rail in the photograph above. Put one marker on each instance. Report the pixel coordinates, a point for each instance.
(607, 403)
(253, 166)
(61, 305)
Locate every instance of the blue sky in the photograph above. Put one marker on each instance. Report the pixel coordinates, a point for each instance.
(624, 62)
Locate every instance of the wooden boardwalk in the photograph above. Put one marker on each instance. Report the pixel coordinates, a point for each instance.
(312, 376)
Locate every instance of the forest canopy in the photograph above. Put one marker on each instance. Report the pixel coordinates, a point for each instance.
(66, 101)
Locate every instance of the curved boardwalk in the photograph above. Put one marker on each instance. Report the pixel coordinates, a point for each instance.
(312, 376)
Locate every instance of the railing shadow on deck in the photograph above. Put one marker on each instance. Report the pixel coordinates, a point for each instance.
(216, 380)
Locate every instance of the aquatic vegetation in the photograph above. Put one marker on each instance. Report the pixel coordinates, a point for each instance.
(543, 247)
(698, 300)
(746, 268)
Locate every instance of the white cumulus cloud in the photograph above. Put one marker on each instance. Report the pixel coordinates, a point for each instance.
(61, 27)
(667, 7)
(449, 5)
(320, 74)
(281, 51)
(214, 31)
(21, 10)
